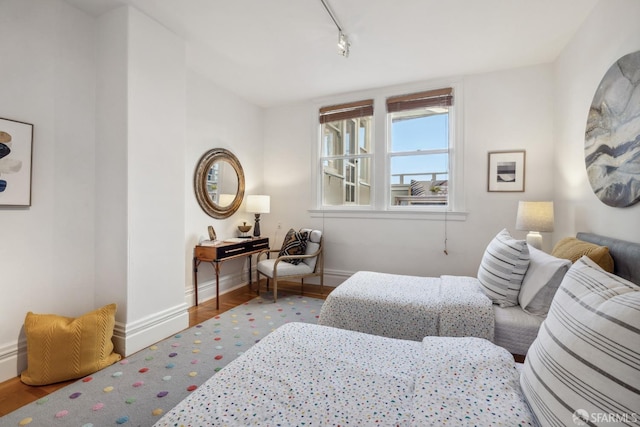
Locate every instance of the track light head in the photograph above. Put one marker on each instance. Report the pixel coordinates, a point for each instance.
(343, 44)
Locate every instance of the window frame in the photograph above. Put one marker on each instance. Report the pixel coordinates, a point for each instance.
(348, 158)
(391, 155)
(380, 206)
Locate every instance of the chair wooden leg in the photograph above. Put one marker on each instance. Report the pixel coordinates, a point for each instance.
(302, 286)
(275, 290)
(257, 283)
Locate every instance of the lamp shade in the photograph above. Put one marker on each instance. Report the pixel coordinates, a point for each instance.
(535, 216)
(258, 204)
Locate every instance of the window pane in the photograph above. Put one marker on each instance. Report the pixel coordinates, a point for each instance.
(427, 131)
(346, 181)
(364, 182)
(346, 178)
(350, 137)
(332, 182)
(364, 135)
(430, 170)
(331, 139)
(422, 167)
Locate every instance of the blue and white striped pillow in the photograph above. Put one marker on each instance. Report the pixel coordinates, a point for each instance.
(584, 366)
(417, 188)
(503, 265)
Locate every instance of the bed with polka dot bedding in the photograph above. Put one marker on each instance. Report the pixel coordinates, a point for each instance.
(313, 375)
(410, 307)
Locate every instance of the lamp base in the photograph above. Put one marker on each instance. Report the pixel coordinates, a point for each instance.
(256, 228)
(534, 239)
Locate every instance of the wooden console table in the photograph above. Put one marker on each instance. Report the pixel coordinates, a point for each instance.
(217, 253)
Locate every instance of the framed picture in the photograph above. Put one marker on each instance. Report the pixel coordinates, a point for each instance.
(506, 171)
(16, 139)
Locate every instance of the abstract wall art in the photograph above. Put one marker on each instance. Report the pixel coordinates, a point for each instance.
(506, 171)
(15, 163)
(612, 136)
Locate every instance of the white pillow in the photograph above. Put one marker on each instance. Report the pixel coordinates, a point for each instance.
(584, 364)
(502, 269)
(541, 281)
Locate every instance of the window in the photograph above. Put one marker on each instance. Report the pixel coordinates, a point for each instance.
(212, 182)
(418, 148)
(346, 153)
(410, 160)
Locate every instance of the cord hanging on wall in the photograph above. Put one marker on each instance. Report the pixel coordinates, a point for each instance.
(343, 39)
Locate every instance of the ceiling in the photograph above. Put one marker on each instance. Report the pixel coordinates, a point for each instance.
(274, 52)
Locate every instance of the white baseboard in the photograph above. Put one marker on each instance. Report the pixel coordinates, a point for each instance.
(137, 335)
(13, 359)
(334, 278)
(144, 332)
(207, 288)
(228, 283)
(127, 339)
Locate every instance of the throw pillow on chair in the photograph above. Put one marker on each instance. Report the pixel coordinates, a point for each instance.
(294, 243)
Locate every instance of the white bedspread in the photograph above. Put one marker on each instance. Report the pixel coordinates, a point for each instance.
(410, 307)
(305, 374)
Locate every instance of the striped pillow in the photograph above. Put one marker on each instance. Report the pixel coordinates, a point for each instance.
(417, 188)
(584, 366)
(503, 265)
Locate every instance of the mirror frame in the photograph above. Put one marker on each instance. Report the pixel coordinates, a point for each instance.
(200, 178)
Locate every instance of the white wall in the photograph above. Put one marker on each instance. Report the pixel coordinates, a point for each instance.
(610, 32)
(47, 78)
(216, 118)
(110, 238)
(139, 177)
(113, 215)
(502, 111)
(156, 142)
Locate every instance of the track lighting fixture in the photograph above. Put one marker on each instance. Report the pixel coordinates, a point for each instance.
(343, 39)
(343, 44)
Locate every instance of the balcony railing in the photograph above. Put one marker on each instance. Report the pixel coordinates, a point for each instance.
(418, 176)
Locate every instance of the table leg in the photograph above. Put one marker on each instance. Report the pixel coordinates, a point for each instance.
(250, 278)
(216, 265)
(196, 262)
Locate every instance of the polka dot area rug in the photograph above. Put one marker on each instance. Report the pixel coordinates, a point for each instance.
(138, 390)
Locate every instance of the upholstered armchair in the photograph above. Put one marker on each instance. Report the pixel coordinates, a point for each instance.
(292, 261)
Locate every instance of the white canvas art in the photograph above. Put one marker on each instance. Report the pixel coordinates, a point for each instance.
(15, 163)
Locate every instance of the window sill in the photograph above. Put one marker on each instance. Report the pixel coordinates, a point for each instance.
(402, 214)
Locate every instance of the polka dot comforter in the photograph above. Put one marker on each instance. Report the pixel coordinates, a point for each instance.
(410, 307)
(312, 375)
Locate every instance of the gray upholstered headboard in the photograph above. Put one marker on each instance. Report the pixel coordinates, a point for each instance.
(626, 255)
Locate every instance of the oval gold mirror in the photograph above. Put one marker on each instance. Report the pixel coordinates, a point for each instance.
(219, 183)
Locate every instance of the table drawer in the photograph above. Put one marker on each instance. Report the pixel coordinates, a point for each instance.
(228, 250)
(259, 244)
(205, 253)
(232, 250)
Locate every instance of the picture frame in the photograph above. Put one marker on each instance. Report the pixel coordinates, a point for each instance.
(506, 171)
(212, 233)
(16, 140)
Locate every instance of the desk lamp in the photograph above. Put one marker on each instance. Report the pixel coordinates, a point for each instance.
(258, 204)
(535, 217)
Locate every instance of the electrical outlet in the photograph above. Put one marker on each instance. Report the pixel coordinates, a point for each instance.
(279, 226)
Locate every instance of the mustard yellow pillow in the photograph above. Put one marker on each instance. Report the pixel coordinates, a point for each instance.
(64, 348)
(573, 249)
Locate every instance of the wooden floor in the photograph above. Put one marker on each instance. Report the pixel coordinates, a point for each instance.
(14, 394)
